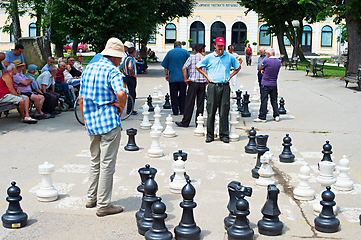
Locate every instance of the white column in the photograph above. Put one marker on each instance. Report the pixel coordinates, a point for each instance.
(160, 38)
(253, 25)
(228, 37)
(182, 28)
(207, 39)
(316, 42)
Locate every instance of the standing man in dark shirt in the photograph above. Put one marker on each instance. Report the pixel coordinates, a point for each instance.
(143, 54)
(73, 71)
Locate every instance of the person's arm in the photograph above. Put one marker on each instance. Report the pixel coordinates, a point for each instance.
(43, 88)
(26, 82)
(81, 103)
(261, 69)
(52, 87)
(37, 90)
(166, 74)
(6, 63)
(132, 72)
(235, 72)
(203, 73)
(184, 72)
(9, 83)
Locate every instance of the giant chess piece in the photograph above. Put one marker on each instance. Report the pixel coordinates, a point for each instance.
(150, 189)
(265, 172)
(14, 216)
(270, 225)
(233, 136)
(199, 131)
(282, 109)
(343, 181)
(255, 97)
(240, 229)
(187, 228)
(131, 146)
(235, 191)
(158, 231)
(286, 156)
(327, 152)
(157, 126)
(239, 101)
(184, 156)
(205, 114)
(246, 112)
(144, 175)
(261, 148)
(304, 191)
(169, 131)
(326, 221)
(145, 124)
(47, 192)
(155, 150)
(155, 94)
(251, 146)
(179, 180)
(325, 179)
(160, 92)
(167, 104)
(149, 102)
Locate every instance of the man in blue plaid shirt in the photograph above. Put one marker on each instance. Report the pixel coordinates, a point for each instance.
(102, 100)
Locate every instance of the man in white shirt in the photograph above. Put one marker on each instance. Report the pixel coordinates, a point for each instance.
(47, 83)
(235, 77)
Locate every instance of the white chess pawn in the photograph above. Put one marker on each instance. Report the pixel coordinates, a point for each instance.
(265, 172)
(169, 131)
(47, 192)
(179, 180)
(233, 136)
(155, 93)
(145, 124)
(241, 87)
(216, 126)
(256, 85)
(205, 110)
(199, 131)
(325, 179)
(304, 191)
(157, 125)
(255, 97)
(343, 181)
(160, 92)
(155, 151)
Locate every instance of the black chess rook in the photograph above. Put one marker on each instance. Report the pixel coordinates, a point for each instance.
(251, 146)
(131, 146)
(286, 156)
(144, 173)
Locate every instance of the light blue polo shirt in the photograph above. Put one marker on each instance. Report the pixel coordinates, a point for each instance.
(219, 67)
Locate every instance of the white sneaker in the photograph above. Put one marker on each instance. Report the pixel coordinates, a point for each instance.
(259, 120)
(277, 119)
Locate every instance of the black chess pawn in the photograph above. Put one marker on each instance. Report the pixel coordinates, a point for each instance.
(144, 175)
(327, 152)
(360, 218)
(187, 228)
(282, 109)
(150, 189)
(239, 100)
(14, 216)
(326, 221)
(158, 231)
(175, 158)
(240, 228)
(261, 148)
(245, 112)
(270, 224)
(236, 191)
(167, 104)
(149, 102)
(131, 146)
(251, 146)
(286, 156)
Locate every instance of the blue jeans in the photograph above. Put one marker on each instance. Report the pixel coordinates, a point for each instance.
(272, 92)
(65, 87)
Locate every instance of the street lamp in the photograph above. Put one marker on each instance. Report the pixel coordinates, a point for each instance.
(295, 24)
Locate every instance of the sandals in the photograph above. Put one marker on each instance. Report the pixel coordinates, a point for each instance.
(29, 120)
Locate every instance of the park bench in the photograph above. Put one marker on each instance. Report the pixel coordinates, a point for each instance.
(315, 66)
(353, 77)
(5, 107)
(292, 63)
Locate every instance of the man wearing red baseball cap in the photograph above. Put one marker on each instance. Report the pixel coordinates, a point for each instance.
(218, 75)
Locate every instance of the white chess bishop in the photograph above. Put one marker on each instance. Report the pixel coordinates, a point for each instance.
(199, 131)
(265, 172)
(304, 191)
(179, 180)
(169, 131)
(155, 151)
(343, 181)
(47, 192)
(145, 124)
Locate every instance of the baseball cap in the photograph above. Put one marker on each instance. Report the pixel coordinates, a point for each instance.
(219, 41)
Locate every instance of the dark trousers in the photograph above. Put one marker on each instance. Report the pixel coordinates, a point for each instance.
(65, 87)
(48, 106)
(178, 96)
(131, 84)
(248, 60)
(54, 96)
(195, 90)
(145, 63)
(259, 75)
(218, 97)
(272, 92)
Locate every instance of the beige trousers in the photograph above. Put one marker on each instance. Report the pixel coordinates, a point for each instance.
(103, 149)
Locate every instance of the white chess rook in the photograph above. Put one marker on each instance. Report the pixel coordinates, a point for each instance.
(343, 182)
(145, 124)
(233, 136)
(155, 151)
(157, 126)
(199, 131)
(169, 131)
(265, 172)
(47, 192)
(304, 191)
(179, 180)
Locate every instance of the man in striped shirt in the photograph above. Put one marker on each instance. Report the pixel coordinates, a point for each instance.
(196, 86)
(130, 79)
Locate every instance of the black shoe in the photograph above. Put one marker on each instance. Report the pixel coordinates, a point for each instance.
(55, 112)
(179, 124)
(208, 140)
(225, 140)
(134, 113)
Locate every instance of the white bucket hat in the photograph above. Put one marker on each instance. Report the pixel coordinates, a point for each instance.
(114, 48)
(128, 44)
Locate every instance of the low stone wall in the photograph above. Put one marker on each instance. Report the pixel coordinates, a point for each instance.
(334, 59)
(33, 51)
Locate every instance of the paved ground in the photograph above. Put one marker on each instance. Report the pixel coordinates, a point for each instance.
(318, 110)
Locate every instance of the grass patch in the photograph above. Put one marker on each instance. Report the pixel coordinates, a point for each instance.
(329, 71)
(321, 132)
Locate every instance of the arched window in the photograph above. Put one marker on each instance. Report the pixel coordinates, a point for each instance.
(170, 33)
(326, 36)
(197, 33)
(32, 30)
(264, 38)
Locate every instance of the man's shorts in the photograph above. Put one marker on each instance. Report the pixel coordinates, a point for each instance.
(9, 98)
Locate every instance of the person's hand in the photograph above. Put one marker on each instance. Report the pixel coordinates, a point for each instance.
(116, 104)
(240, 61)
(187, 81)
(207, 81)
(18, 91)
(167, 78)
(262, 71)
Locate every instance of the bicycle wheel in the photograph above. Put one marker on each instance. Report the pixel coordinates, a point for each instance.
(77, 112)
(130, 102)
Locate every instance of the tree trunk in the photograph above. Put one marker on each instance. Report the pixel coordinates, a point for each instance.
(281, 43)
(74, 48)
(16, 21)
(299, 42)
(47, 29)
(59, 51)
(353, 24)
